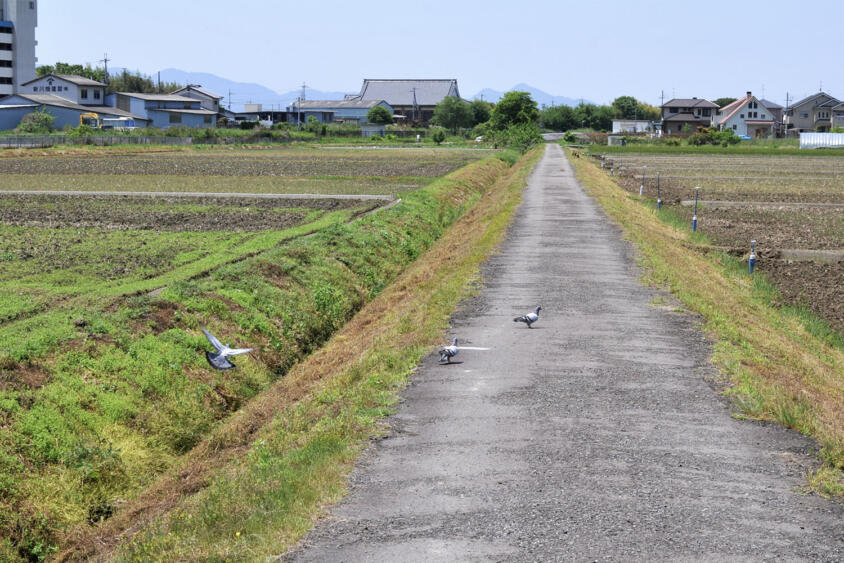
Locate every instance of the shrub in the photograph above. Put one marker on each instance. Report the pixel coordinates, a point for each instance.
(379, 115)
(569, 137)
(438, 135)
(39, 121)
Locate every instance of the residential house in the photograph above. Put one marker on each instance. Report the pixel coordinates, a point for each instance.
(67, 112)
(685, 115)
(338, 111)
(813, 113)
(207, 99)
(632, 126)
(18, 20)
(77, 89)
(411, 99)
(165, 110)
(747, 116)
(838, 115)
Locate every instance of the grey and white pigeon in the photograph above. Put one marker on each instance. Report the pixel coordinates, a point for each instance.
(530, 318)
(449, 352)
(220, 360)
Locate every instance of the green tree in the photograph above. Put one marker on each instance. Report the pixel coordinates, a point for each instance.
(558, 118)
(594, 116)
(721, 102)
(379, 115)
(626, 107)
(481, 111)
(39, 121)
(452, 112)
(513, 109)
(86, 71)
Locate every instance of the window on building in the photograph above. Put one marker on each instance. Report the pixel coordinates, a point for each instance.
(32, 5)
(706, 112)
(175, 118)
(5, 46)
(96, 94)
(763, 116)
(207, 119)
(672, 110)
(83, 93)
(804, 115)
(187, 105)
(735, 127)
(5, 80)
(741, 115)
(6, 63)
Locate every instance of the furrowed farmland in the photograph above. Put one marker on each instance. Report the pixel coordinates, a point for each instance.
(104, 286)
(792, 206)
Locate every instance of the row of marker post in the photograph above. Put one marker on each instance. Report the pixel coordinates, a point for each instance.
(751, 261)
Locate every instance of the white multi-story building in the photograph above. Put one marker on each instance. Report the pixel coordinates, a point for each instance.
(18, 19)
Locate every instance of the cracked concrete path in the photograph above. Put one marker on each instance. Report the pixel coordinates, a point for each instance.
(593, 436)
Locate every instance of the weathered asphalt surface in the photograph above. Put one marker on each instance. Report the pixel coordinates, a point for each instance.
(592, 436)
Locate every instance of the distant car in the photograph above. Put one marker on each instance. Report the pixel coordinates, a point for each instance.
(745, 137)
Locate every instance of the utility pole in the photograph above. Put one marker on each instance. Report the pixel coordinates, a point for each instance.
(784, 114)
(230, 99)
(661, 98)
(299, 114)
(105, 60)
(415, 105)
(159, 81)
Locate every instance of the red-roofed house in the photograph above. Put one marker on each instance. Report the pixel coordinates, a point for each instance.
(747, 116)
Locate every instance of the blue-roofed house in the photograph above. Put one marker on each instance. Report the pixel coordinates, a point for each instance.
(338, 111)
(165, 110)
(414, 100)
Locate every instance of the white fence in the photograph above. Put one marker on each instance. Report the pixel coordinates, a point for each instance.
(822, 140)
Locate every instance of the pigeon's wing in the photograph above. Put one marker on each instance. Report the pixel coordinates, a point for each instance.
(218, 362)
(238, 351)
(213, 340)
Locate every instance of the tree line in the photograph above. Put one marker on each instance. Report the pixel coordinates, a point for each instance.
(123, 81)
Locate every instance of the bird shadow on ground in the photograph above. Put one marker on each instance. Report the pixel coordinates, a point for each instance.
(450, 363)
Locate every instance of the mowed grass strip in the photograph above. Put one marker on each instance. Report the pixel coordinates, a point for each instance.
(315, 421)
(778, 365)
(101, 398)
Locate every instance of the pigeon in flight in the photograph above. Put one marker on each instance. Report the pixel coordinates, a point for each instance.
(220, 360)
(450, 351)
(530, 318)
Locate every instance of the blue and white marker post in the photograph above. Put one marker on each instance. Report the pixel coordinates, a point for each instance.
(751, 261)
(642, 187)
(694, 217)
(658, 200)
(612, 168)
(603, 156)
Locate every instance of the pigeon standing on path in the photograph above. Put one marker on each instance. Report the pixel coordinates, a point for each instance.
(220, 360)
(449, 352)
(530, 318)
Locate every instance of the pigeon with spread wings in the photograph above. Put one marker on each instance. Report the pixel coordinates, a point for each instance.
(220, 360)
(450, 351)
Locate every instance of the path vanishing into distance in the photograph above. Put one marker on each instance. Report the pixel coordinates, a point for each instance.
(596, 435)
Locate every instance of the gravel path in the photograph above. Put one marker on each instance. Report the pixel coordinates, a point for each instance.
(592, 436)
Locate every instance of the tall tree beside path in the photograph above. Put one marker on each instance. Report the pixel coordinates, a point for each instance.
(515, 108)
(452, 113)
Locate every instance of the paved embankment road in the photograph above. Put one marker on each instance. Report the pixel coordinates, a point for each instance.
(594, 435)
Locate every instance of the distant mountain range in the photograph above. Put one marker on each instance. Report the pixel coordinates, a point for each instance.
(237, 94)
(541, 98)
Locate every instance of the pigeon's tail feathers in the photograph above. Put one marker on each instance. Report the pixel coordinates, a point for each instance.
(218, 361)
(213, 340)
(522, 319)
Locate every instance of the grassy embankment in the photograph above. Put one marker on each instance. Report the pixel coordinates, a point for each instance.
(265, 474)
(778, 364)
(92, 413)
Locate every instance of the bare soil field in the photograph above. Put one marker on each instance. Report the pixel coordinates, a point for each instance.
(168, 213)
(761, 179)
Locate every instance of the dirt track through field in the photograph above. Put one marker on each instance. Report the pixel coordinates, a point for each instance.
(594, 435)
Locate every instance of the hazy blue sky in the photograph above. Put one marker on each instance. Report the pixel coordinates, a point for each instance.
(590, 48)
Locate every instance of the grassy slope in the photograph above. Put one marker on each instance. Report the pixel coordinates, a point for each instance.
(317, 419)
(88, 425)
(777, 364)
